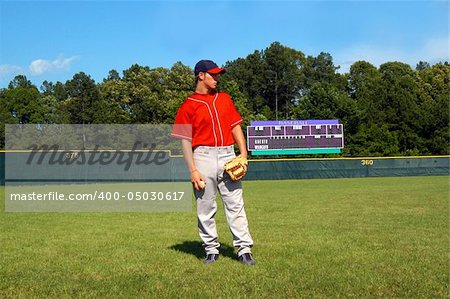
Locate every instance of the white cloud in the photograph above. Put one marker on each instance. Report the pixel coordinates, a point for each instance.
(42, 66)
(432, 51)
(7, 70)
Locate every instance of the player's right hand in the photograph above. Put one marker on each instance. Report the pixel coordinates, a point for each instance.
(196, 177)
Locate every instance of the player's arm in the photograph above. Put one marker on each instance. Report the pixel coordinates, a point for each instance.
(238, 136)
(196, 176)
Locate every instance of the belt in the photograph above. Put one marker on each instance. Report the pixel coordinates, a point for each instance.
(214, 149)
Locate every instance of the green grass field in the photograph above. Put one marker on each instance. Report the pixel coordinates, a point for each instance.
(374, 237)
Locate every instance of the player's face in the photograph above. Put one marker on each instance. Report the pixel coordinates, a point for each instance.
(211, 80)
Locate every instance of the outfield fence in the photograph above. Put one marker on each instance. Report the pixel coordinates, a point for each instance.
(348, 167)
(260, 169)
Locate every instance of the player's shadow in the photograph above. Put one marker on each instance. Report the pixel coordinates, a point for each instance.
(195, 248)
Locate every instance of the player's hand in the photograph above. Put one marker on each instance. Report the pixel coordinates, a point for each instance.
(244, 161)
(198, 180)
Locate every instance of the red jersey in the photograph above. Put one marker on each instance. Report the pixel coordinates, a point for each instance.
(212, 118)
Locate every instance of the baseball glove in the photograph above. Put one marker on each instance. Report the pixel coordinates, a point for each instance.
(236, 168)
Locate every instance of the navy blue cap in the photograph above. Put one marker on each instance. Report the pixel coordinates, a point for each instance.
(208, 66)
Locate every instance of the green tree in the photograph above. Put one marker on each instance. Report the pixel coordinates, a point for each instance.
(180, 85)
(141, 89)
(5, 116)
(282, 76)
(422, 65)
(154, 95)
(435, 87)
(20, 81)
(321, 69)
(248, 73)
(321, 102)
(365, 89)
(83, 102)
(401, 105)
(240, 100)
(114, 102)
(374, 140)
(22, 101)
(325, 101)
(269, 79)
(112, 75)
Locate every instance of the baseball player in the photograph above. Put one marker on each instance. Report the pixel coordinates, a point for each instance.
(215, 128)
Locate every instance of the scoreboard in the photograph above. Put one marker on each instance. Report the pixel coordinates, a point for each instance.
(293, 137)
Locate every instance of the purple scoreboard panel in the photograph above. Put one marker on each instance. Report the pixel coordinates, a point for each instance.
(295, 137)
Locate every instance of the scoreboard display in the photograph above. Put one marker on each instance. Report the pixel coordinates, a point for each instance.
(292, 137)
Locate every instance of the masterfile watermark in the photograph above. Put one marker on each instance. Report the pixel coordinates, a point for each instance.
(136, 155)
(101, 168)
(118, 197)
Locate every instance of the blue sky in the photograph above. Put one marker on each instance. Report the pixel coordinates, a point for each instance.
(54, 40)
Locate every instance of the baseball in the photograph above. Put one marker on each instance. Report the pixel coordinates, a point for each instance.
(201, 185)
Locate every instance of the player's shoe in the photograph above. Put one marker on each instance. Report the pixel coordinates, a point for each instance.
(211, 258)
(247, 259)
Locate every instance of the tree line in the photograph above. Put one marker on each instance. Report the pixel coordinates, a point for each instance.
(386, 111)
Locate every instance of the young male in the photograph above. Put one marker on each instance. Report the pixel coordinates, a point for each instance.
(215, 129)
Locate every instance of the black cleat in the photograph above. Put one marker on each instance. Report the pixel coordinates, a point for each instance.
(211, 258)
(247, 259)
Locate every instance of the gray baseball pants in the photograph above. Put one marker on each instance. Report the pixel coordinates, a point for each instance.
(210, 161)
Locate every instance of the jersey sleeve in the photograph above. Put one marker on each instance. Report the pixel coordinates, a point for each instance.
(235, 117)
(182, 127)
